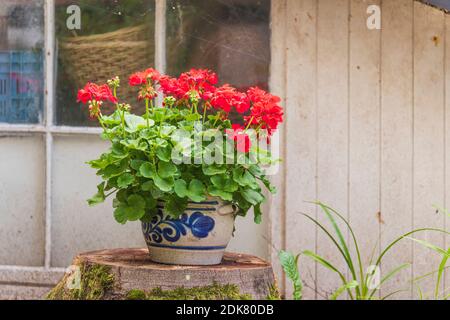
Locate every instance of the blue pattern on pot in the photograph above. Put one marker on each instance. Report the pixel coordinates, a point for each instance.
(198, 237)
(171, 229)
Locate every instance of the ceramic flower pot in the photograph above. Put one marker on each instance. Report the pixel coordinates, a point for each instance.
(198, 237)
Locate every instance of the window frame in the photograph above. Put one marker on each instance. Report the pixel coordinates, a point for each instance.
(49, 129)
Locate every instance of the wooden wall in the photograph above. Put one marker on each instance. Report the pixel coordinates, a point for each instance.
(367, 131)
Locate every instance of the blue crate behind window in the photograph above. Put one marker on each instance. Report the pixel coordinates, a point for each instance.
(21, 61)
(21, 86)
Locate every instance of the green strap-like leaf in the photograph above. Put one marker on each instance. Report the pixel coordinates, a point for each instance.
(346, 286)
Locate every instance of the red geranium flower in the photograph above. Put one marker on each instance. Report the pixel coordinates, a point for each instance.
(201, 81)
(265, 113)
(226, 97)
(92, 91)
(141, 77)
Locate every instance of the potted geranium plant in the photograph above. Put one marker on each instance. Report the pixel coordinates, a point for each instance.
(183, 168)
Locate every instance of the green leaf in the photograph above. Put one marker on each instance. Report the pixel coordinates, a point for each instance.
(213, 169)
(244, 178)
(289, 262)
(136, 207)
(148, 170)
(147, 186)
(125, 180)
(136, 164)
(225, 182)
(180, 188)
(120, 215)
(216, 192)
(346, 286)
(268, 185)
(175, 206)
(252, 196)
(388, 276)
(258, 214)
(256, 170)
(99, 197)
(193, 117)
(197, 190)
(165, 184)
(135, 122)
(164, 153)
(166, 169)
(114, 170)
(150, 202)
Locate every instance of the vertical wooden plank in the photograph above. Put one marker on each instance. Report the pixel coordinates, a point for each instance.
(364, 129)
(276, 205)
(447, 139)
(396, 140)
(332, 108)
(301, 132)
(428, 133)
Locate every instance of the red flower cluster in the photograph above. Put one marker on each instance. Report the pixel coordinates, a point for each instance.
(226, 97)
(92, 91)
(238, 135)
(145, 80)
(199, 82)
(141, 77)
(265, 112)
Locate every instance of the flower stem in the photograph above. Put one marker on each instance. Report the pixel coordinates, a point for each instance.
(204, 114)
(147, 113)
(249, 123)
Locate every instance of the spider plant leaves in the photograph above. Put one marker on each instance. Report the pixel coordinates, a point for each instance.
(388, 276)
(445, 254)
(327, 265)
(289, 262)
(346, 286)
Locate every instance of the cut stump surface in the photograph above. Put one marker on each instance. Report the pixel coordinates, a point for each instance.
(133, 270)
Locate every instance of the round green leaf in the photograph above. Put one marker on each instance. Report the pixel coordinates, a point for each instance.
(166, 169)
(125, 180)
(147, 170)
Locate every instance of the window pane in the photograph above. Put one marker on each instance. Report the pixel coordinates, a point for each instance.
(76, 227)
(21, 61)
(114, 38)
(230, 37)
(22, 220)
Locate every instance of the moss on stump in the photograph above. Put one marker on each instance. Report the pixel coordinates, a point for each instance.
(95, 281)
(212, 292)
(121, 274)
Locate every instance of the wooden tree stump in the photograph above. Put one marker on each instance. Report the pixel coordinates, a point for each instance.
(128, 273)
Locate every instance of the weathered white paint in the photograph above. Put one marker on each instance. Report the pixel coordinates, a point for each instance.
(447, 137)
(301, 153)
(428, 171)
(276, 204)
(364, 130)
(396, 138)
(333, 125)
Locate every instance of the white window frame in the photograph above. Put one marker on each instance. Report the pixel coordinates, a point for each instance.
(48, 129)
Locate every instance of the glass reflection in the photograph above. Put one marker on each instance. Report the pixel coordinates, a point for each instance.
(230, 37)
(114, 38)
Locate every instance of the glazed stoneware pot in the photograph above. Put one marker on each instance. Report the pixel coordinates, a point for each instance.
(198, 237)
